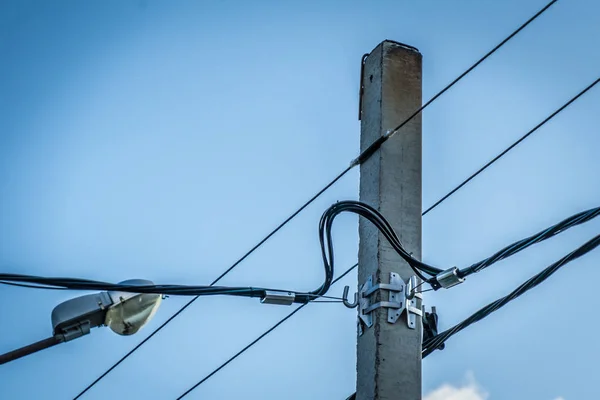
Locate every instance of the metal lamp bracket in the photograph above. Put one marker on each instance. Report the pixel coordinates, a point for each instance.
(401, 296)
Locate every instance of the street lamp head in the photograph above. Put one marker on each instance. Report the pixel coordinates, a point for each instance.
(131, 311)
(123, 312)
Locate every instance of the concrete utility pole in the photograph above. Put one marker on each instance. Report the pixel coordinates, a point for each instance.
(389, 354)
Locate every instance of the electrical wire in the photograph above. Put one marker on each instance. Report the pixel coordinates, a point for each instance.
(375, 217)
(509, 148)
(252, 343)
(520, 245)
(32, 286)
(364, 155)
(431, 345)
(516, 247)
(325, 227)
(325, 236)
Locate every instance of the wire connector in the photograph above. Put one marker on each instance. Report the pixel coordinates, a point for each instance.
(279, 298)
(447, 279)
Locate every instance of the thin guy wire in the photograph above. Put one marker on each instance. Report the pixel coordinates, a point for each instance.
(377, 144)
(271, 329)
(509, 148)
(189, 303)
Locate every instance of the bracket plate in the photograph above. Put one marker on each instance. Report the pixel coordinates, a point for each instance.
(412, 311)
(397, 297)
(363, 303)
(402, 297)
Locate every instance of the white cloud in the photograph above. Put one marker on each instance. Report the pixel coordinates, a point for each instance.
(469, 391)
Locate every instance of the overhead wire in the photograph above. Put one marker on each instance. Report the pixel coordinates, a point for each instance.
(252, 343)
(362, 157)
(365, 211)
(505, 252)
(325, 236)
(434, 343)
(325, 227)
(513, 145)
(520, 245)
(365, 155)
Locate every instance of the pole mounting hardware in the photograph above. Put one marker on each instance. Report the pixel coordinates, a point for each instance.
(402, 296)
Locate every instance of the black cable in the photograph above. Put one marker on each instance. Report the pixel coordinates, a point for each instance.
(380, 141)
(516, 247)
(325, 227)
(375, 217)
(325, 236)
(509, 148)
(252, 343)
(32, 286)
(431, 345)
(363, 156)
(520, 245)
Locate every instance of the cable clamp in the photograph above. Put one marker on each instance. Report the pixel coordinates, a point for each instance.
(74, 331)
(446, 279)
(279, 298)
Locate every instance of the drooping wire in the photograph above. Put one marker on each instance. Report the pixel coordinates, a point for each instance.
(325, 227)
(509, 148)
(375, 217)
(434, 343)
(353, 164)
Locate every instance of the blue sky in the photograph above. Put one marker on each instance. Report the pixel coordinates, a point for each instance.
(159, 140)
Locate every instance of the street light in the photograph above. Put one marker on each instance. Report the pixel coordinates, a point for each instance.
(124, 313)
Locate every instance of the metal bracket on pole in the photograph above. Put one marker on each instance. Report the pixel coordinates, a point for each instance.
(411, 308)
(402, 296)
(363, 304)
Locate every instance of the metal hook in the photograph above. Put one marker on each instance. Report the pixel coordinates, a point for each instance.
(345, 298)
(411, 288)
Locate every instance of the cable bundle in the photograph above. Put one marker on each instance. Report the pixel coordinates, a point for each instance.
(516, 247)
(375, 217)
(431, 345)
(325, 237)
(325, 226)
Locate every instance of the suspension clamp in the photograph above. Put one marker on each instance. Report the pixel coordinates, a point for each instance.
(278, 297)
(446, 279)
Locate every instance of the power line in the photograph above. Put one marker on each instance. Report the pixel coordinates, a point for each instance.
(548, 233)
(361, 158)
(431, 345)
(271, 329)
(509, 148)
(500, 255)
(326, 241)
(506, 252)
(377, 144)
